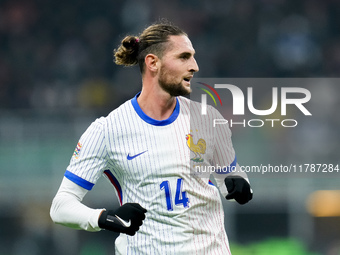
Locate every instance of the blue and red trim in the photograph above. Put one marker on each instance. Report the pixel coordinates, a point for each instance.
(116, 184)
(78, 180)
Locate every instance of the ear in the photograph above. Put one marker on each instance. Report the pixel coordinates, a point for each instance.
(152, 62)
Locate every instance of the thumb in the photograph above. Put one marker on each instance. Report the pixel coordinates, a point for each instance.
(139, 207)
(230, 195)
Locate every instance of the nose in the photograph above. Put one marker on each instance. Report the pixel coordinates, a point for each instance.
(193, 66)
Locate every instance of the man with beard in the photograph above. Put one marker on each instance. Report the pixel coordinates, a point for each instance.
(143, 148)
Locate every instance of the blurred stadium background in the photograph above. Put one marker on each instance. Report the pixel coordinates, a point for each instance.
(57, 76)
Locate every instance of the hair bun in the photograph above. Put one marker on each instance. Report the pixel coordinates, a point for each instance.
(127, 53)
(131, 42)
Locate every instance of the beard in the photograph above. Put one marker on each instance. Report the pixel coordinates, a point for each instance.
(168, 84)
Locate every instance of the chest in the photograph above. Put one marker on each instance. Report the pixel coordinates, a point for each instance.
(143, 151)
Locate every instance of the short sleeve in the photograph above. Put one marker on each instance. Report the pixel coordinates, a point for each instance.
(89, 159)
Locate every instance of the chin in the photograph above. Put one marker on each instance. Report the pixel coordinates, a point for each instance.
(187, 88)
(189, 91)
(176, 89)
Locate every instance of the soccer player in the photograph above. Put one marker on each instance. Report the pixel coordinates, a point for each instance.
(149, 149)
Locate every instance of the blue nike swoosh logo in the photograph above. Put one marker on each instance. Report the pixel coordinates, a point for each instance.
(134, 156)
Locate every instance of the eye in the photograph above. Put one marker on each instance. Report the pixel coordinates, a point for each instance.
(185, 56)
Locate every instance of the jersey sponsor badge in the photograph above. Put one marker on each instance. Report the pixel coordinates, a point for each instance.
(77, 150)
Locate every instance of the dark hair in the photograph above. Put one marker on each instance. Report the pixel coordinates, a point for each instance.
(153, 39)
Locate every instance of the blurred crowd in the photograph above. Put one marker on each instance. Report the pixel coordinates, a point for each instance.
(56, 54)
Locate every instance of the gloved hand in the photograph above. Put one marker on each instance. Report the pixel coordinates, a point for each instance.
(126, 219)
(238, 189)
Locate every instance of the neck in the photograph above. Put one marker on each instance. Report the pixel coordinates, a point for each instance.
(156, 103)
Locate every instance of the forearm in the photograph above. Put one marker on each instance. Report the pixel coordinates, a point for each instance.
(68, 210)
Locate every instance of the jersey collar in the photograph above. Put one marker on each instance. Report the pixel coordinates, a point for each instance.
(152, 121)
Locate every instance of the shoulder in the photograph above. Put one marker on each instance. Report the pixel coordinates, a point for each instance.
(196, 108)
(101, 123)
(122, 110)
(188, 104)
(183, 100)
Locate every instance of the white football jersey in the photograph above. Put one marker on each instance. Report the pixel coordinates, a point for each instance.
(153, 163)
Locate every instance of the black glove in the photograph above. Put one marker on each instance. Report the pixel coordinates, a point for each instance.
(126, 219)
(238, 189)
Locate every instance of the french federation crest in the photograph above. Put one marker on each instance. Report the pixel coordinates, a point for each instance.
(197, 148)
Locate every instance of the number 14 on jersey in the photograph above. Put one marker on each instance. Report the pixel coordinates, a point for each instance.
(180, 196)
